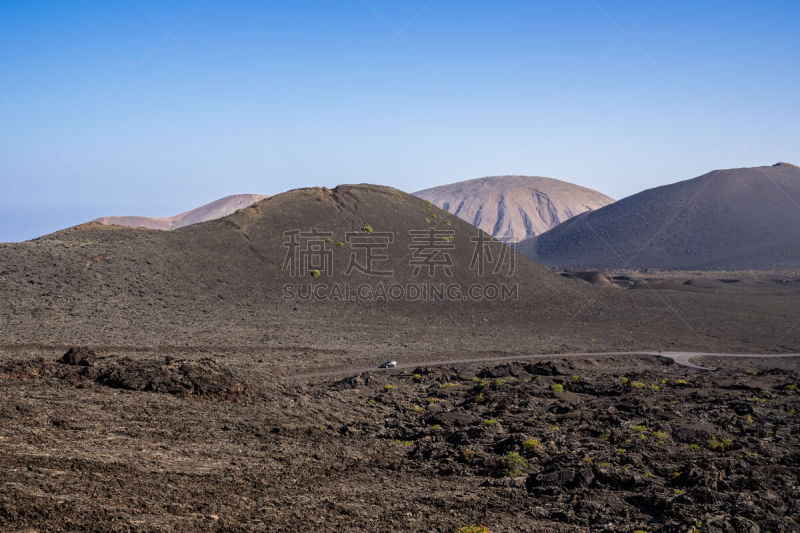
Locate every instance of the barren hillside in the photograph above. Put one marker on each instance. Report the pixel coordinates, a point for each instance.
(727, 219)
(512, 208)
(216, 209)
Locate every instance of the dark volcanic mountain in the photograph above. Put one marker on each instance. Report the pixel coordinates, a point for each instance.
(86, 277)
(513, 208)
(727, 219)
(216, 209)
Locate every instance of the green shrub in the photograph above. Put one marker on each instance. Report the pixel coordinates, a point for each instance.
(514, 464)
(489, 422)
(719, 445)
(531, 444)
(367, 229)
(557, 387)
(315, 273)
(637, 384)
(473, 529)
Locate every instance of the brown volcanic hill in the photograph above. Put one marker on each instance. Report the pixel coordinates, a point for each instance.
(83, 280)
(727, 219)
(216, 209)
(513, 208)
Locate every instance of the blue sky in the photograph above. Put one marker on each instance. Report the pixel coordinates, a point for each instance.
(149, 107)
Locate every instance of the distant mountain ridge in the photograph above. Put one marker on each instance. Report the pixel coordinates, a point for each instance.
(513, 208)
(211, 211)
(744, 218)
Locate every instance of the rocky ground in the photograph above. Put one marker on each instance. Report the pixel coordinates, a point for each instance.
(147, 441)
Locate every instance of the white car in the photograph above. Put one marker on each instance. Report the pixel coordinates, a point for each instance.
(389, 364)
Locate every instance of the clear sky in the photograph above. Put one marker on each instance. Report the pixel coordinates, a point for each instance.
(152, 107)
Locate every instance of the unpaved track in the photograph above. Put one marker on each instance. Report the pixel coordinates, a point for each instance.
(680, 358)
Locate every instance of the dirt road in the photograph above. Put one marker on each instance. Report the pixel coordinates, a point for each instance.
(680, 358)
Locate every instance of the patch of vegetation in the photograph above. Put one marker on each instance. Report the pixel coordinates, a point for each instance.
(417, 377)
(388, 387)
(432, 400)
(473, 529)
(624, 380)
(436, 426)
(659, 435)
(447, 385)
(481, 398)
(315, 273)
(403, 442)
(640, 429)
(489, 422)
(679, 382)
(719, 445)
(557, 387)
(605, 436)
(340, 244)
(514, 464)
(416, 408)
(791, 387)
(678, 492)
(637, 384)
(366, 228)
(748, 418)
(531, 444)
